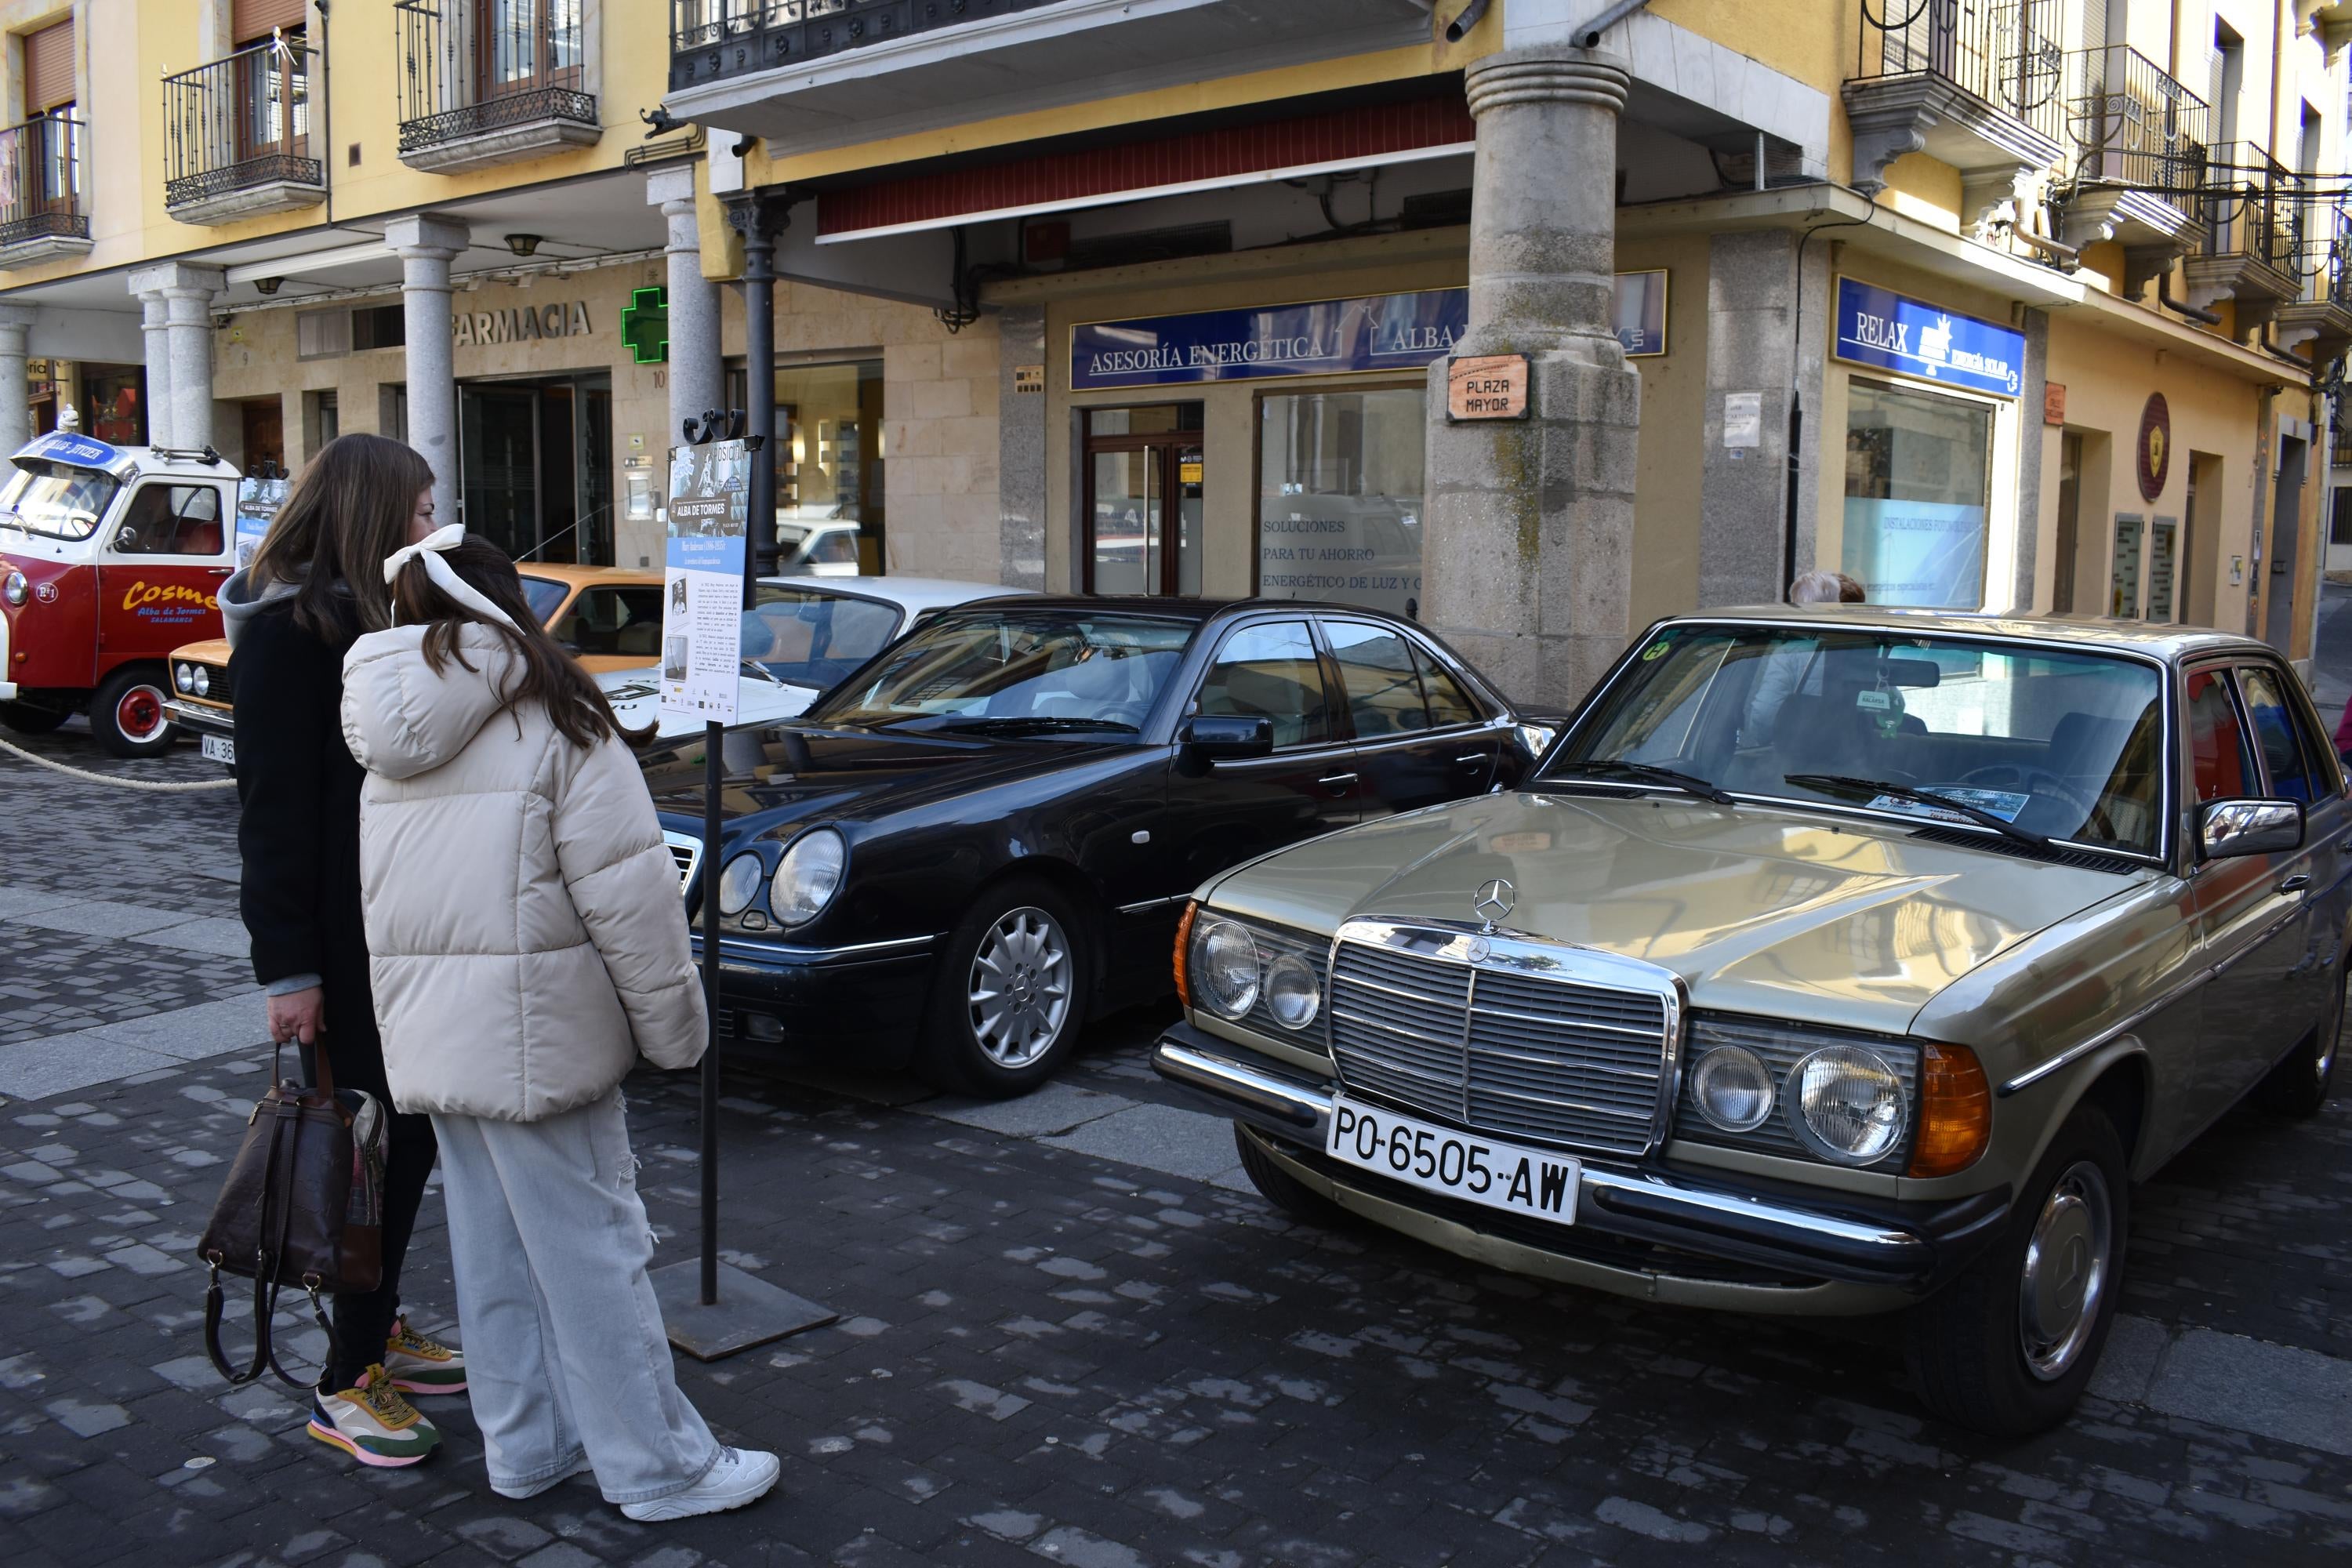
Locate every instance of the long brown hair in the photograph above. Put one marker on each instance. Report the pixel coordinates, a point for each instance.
(350, 509)
(543, 672)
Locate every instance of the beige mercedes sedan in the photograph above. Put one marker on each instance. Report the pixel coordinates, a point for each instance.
(1833, 961)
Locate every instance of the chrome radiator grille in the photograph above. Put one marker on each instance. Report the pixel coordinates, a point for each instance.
(1490, 1034)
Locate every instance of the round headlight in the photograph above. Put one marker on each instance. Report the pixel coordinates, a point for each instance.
(737, 883)
(204, 680)
(183, 678)
(1846, 1104)
(808, 876)
(1733, 1088)
(12, 589)
(1224, 968)
(1291, 993)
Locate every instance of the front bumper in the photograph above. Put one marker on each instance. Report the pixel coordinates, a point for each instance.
(201, 718)
(779, 996)
(1707, 1239)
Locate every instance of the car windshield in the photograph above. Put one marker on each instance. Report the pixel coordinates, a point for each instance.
(1042, 673)
(60, 502)
(2052, 743)
(545, 596)
(813, 639)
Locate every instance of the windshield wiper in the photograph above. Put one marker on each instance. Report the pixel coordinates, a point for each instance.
(1648, 773)
(1924, 797)
(1036, 723)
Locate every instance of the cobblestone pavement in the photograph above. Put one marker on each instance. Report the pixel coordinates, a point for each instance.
(1070, 1334)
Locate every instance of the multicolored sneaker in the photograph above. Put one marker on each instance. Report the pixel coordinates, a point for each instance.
(372, 1423)
(417, 1365)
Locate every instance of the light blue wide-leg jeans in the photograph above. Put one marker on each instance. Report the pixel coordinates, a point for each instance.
(565, 1353)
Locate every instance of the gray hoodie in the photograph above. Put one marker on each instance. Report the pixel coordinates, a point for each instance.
(241, 600)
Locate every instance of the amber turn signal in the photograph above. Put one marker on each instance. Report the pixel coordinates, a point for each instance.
(1955, 1111)
(1183, 947)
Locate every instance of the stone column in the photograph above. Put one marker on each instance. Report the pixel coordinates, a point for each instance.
(180, 410)
(152, 324)
(16, 408)
(698, 380)
(1527, 550)
(427, 244)
(1021, 449)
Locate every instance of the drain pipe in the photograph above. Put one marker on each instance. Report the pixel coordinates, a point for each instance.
(1588, 36)
(2164, 297)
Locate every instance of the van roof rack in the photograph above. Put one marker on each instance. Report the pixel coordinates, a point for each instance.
(205, 452)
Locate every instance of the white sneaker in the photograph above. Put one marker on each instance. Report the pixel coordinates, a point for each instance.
(518, 1493)
(740, 1475)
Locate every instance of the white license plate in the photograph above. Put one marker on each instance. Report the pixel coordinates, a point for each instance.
(219, 749)
(1505, 1177)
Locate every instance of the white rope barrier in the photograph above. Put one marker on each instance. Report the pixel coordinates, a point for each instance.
(113, 779)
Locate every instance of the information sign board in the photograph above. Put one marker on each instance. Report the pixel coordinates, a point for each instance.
(702, 602)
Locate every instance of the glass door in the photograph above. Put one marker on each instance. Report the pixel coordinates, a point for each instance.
(497, 465)
(1145, 483)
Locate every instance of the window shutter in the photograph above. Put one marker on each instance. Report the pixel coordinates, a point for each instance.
(48, 67)
(250, 20)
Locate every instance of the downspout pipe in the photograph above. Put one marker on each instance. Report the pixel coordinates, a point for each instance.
(2164, 297)
(1588, 35)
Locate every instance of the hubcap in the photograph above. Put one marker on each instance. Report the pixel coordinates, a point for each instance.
(2068, 1261)
(140, 713)
(1020, 992)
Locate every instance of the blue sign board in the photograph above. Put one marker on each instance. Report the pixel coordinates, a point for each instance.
(1326, 337)
(66, 447)
(1878, 327)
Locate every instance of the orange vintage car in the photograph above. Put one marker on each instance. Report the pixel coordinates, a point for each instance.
(609, 617)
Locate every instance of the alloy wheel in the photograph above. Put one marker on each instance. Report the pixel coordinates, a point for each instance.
(1019, 993)
(2069, 1260)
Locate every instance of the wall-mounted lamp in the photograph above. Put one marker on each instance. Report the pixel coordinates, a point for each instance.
(266, 285)
(523, 243)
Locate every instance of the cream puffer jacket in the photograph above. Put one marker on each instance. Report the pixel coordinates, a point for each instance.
(524, 931)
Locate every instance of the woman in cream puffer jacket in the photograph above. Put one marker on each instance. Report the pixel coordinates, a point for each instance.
(527, 945)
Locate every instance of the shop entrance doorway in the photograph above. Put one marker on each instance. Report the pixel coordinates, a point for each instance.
(1145, 481)
(535, 466)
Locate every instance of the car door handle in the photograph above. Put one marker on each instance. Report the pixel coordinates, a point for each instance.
(1336, 781)
(2295, 884)
(1475, 759)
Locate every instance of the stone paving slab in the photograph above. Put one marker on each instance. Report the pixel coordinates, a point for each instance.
(1188, 1143)
(1055, 1109)
(220, 937)
(188, 1034)
(38, 1069)
(97, 917)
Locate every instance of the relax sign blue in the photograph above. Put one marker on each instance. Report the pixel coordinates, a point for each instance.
(1326, 337)
(1878, 327)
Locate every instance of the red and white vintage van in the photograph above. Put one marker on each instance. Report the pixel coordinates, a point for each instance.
(110, 558)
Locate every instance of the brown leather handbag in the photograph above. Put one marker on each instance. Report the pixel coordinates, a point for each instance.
(302, 1206)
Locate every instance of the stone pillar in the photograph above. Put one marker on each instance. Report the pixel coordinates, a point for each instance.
(698, 379)
(427, 244)
(1751, 363)
(16, 408)
(1527, 554)
(152, 324)
(179, 411)
(1021, 449)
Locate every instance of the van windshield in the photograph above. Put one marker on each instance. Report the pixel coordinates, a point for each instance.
(57, 501)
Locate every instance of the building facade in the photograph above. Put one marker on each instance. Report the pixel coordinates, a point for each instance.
(2018, 305)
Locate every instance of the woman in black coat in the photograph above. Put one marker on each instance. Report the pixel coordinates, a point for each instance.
(315, 584)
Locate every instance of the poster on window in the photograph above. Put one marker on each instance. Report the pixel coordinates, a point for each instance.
(702, 602)
(1925, 553)
(1341, 497)
(257, 501)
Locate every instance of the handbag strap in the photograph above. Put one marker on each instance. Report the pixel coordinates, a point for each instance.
(277, 1195)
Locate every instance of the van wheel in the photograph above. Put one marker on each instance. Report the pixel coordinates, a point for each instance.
(127, 715)
(1279, 1187)
(1010, 994)
(31, 718)
(2298, 1086)
(2008, 1348)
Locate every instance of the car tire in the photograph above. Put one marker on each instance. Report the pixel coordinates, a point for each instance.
(998, 1044)
(2298, 1086)
(127, 713)
(31, 718)
(2008, 1348)
(1279, 1187)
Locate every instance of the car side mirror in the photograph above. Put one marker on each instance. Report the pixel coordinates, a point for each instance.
(126, 539)
(1217, 737)
(2230, 828)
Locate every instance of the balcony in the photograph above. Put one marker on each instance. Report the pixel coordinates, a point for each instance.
(237, 136)
(1977, 84)
(484, 82)
(822, 73)
(42, 216)
(2320, 314)
(2139, 143)
(2251, 212)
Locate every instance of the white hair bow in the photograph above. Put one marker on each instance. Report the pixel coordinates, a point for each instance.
(429, 549)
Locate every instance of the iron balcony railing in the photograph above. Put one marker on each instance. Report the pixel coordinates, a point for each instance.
(2133, 125)
(40, 181)
(468, 67)
(2324, 254)
(2002, 52)
(714, 38)
(2251, 206)
(237, 123)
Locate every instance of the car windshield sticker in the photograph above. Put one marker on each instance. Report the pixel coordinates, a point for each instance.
(1655, 648)
(2001, 803)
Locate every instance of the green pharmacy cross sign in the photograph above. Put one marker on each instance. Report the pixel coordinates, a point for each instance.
(645, 325)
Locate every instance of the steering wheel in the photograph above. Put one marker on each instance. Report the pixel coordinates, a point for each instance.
(2040, 781)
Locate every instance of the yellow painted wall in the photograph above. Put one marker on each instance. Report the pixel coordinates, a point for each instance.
(1924, 188)
(1670, 463)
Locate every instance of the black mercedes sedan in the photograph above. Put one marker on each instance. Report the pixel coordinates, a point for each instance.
(986, 836)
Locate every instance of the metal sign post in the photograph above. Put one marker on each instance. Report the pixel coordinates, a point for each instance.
(712, 1309)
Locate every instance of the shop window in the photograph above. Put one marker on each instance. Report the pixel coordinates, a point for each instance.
(1917, 482)
(2339, 522)
(828, 460)
(113, 405)
(1342, 477)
